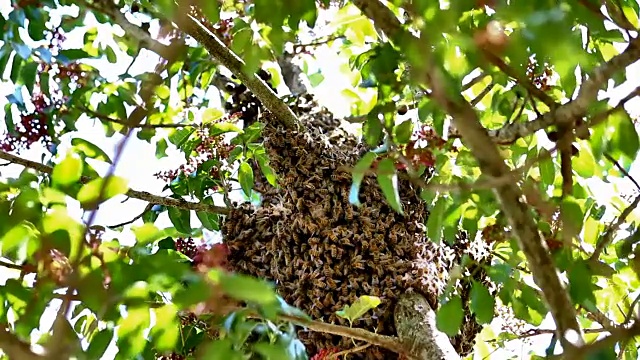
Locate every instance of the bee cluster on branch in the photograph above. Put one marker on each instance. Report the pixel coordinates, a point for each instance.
(323, 252)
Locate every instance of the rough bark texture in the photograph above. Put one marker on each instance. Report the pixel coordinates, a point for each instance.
(415, 323)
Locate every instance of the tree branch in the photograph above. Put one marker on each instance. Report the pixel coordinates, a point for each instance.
(491, 163)
(415, 323)
(15, 348)
(102, 117)
(388, 342)
(141, 195)
(611, 230)
(191, 26)
(145, 39)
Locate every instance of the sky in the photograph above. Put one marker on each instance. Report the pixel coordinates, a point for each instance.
(139, 161)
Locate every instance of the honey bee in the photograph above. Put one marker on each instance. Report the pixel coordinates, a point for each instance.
(328, 300)
(333, 249)
(317, 303)
(332, 284)
(353, 283)
(364, 245)
(389, 294)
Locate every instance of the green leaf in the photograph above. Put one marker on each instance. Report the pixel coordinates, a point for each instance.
(585, 164)
(436, 220)
(181, 219)
(359, 307)
(73, 54)
(221, 350)
(16, 237)
(625, 136)
(547, 171)
(482, 303)
(161, 148)
(111, 55)
(403, 132)
(166, 331)
(580, 286)
(89, 194)
(68, 171)
(245, 288)
(180, 136)
(316, 79)
(572, 213)
(270, 351)
(372, 129)
(209, 221)
(388, 181)
(146, 233)
(245, 177)
(224, 127)
(28, 75)
(16, 64)
(99, 343)
(211, 115)
(358, 173)
(449, 316)
(90, 150)
(267, 171)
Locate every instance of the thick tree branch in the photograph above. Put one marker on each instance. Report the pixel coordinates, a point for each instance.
(190, 25)
(415, 323)
(491, 163)
(141, 195)
(15, 348)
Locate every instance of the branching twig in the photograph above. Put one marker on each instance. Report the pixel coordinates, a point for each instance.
(103, 117)
(611, 230)
(9, 265)
(147, 208)
(140, 195)
(622, 170)
(387, 342)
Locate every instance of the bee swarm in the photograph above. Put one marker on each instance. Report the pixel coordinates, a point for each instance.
(322, 252)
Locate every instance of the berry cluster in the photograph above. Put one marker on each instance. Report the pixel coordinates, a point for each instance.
(32, 128)
(37, 126)
(21, 4)
(55, 37)
(209, 148)
(540, 77)
(324, 354)
(224, 30)
(187, 247)
(204, 256)
(424, 155)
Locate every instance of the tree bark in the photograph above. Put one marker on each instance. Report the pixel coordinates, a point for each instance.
(415, 323)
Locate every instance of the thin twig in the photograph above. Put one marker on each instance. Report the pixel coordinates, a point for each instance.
(124, 122)
(622, 170)
(9, 265)
(140, 195)
(348, 351)
(147, 208)
(611, 230)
